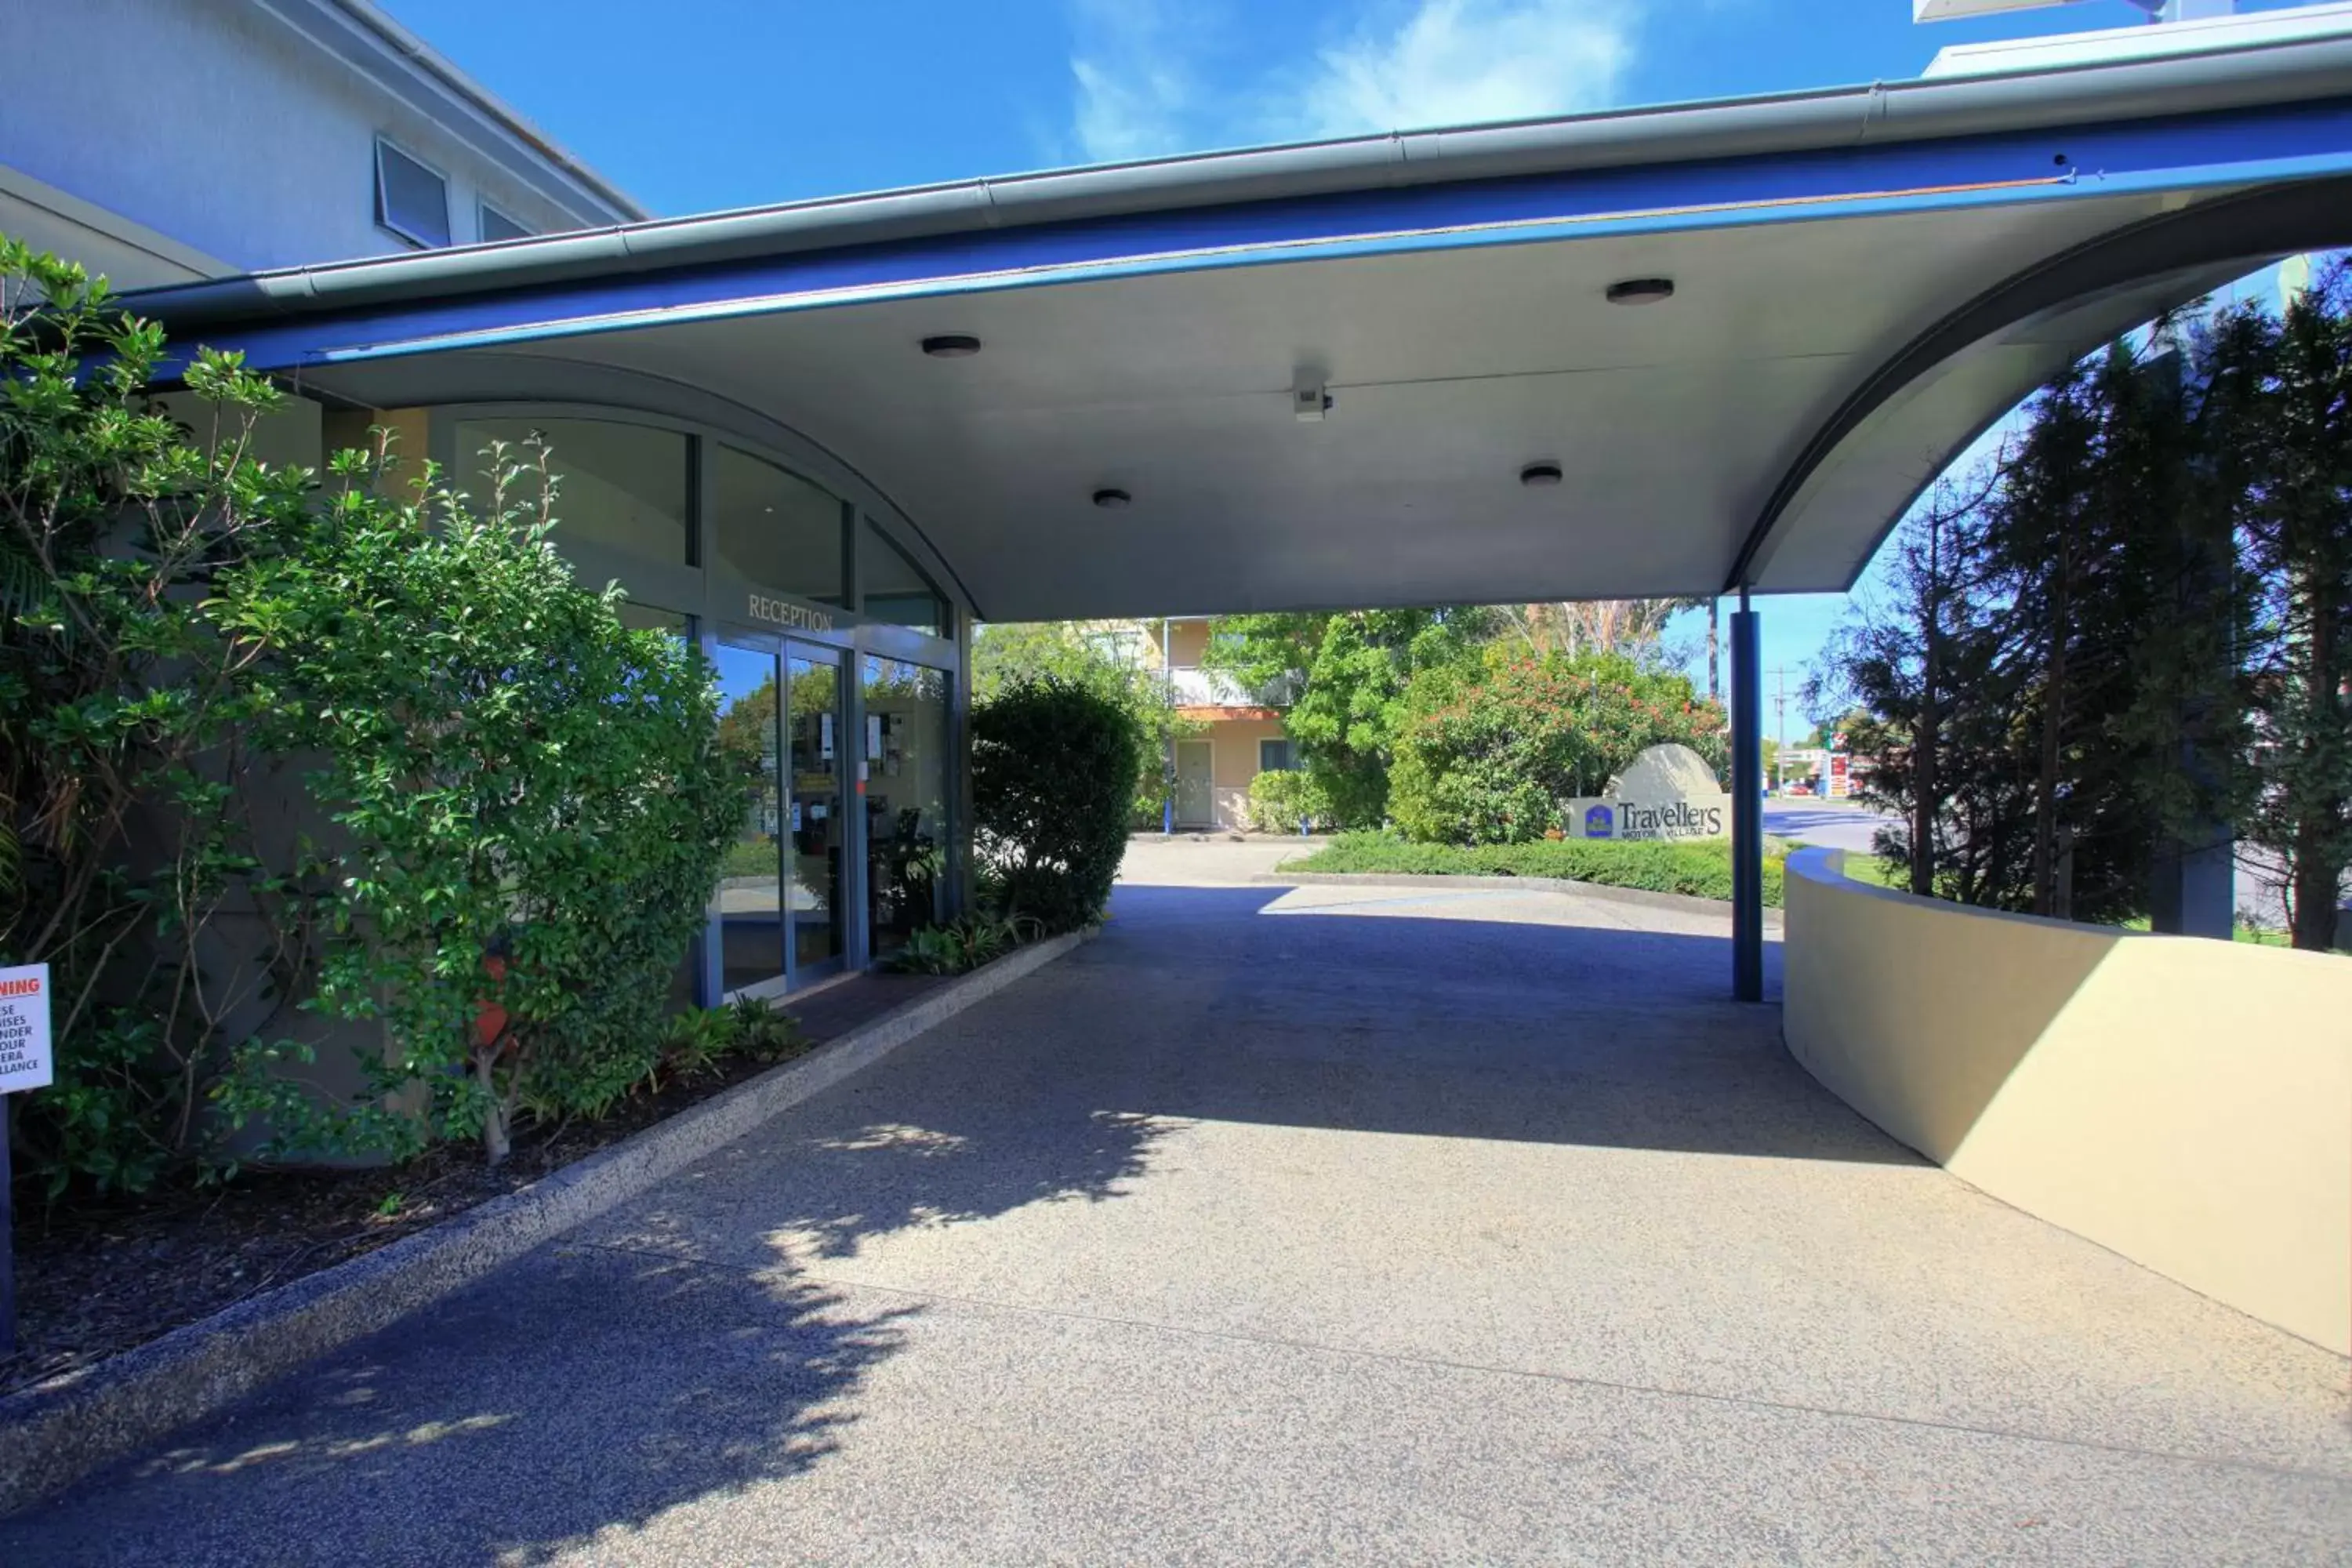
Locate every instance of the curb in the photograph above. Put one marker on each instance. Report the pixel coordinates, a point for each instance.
(1685, 902)
(52, 1437)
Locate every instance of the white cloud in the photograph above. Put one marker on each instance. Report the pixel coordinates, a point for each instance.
(1135, 80)
(1455, 62)
(1165, 76)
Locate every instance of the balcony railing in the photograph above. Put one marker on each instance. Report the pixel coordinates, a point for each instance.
(1197, 687)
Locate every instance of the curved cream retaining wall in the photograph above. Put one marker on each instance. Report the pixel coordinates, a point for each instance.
(2185, 1103)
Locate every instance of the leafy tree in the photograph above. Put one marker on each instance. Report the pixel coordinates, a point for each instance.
(1053, 779)
(2130, 633)
(124, 726)
(534, 799)
(1632, 628)
(1100, 656)
(1934, 738)
(1350, 672)
(1488, 755)
(2300, 542)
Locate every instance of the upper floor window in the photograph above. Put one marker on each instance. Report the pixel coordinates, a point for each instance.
(496, 224)
(410, 200)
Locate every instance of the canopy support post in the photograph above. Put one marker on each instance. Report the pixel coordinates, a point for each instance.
(1747, 806)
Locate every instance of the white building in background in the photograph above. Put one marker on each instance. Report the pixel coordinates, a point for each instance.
(164, 141)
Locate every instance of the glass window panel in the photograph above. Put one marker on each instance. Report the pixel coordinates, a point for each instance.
(896, 590)
(906, 754)
(410, 200)
(496, 224)
(649, 618)
(1272, 756)
(775, 527)
(624, 487)
(750, 880)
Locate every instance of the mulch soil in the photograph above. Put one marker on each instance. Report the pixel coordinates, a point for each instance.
(94, 1279)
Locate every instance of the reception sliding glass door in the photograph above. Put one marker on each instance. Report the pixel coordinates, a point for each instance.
(906, 753)
(820, 825)
(751, 882)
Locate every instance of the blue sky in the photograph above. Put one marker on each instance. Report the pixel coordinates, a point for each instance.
(707, 104)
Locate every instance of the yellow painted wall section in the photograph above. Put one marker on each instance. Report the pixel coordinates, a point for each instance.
(1236, 763)
(2185, 1103)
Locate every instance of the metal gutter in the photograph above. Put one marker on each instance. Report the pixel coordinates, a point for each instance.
(2300, 70)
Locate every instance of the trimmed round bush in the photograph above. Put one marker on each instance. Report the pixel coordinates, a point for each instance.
(1280, 799)
(1053, 780)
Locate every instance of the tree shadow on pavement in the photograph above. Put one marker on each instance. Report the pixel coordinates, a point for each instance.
(577, 1394)
(681, 1349)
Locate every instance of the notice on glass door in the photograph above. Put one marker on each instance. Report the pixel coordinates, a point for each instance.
(825, 736)
(874, 737)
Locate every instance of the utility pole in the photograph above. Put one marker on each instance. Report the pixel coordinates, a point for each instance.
(1714, 659)
(1779, 721)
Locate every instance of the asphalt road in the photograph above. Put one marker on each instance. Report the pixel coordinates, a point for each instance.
(1834, 824)
(1334, 1225)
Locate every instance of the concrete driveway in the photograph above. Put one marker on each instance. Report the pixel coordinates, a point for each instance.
(1328, 1224)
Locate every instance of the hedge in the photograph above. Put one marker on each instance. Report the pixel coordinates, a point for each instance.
(1701, 869)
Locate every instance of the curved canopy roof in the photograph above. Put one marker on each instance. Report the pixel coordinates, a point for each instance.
(1863, 280)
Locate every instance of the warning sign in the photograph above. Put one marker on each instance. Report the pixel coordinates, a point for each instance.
(24, 1028)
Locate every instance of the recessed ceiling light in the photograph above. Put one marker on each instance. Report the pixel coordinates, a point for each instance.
(952, 345)
(1112, 499)
(1641, 290)
(1539, 474)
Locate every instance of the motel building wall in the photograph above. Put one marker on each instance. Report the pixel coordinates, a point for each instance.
(271, 147)
(1234, 734)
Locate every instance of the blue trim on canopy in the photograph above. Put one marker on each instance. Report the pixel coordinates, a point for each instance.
(2204, 151)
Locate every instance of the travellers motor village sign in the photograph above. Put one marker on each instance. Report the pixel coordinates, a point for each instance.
(1669, 791)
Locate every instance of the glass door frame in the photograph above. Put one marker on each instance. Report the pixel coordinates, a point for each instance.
(848, 916)
(839, 647)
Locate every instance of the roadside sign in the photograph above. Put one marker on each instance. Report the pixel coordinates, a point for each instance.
(24, 1063)
(24, 1059)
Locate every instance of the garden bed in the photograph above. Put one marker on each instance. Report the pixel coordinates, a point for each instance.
(1698, 870)
(94, 1280)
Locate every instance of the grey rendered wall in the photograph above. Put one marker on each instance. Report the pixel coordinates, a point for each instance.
(215, 123)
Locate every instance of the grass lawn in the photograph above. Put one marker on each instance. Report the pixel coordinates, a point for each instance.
(1699, 869)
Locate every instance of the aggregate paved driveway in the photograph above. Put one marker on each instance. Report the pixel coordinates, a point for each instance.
(1328, 1224)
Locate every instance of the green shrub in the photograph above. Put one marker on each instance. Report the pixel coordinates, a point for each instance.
(533, 796)
(1489, 756)
(1053, 780)
(1282, 799)
(1699, 869)
(696, 1042)
(962, 945)
(765, 1031)
(125, 727)
(693, 1040)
